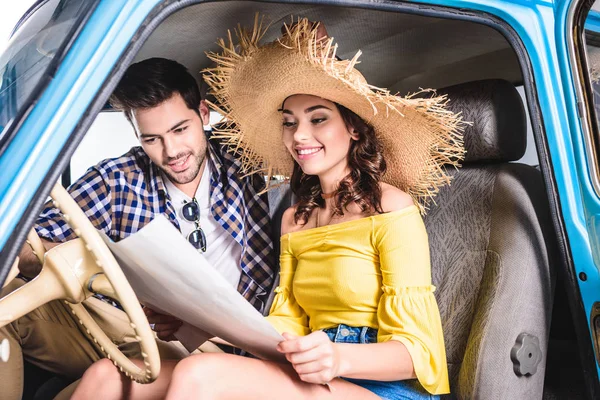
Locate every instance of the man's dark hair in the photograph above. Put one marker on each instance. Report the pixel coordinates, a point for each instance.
(148, 83)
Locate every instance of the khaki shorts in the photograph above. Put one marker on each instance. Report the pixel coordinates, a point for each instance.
(50, 338)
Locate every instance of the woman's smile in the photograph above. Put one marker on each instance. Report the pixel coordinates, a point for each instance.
(305, 153)
(315, 135)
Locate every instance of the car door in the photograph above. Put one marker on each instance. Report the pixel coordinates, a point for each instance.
(578, 46)
(56, 63)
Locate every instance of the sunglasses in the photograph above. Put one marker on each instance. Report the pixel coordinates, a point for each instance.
(191, 213)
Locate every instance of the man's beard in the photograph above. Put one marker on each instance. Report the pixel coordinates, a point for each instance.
(191, 173)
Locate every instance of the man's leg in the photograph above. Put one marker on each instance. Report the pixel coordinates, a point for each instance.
(116, 325)
(51, 338)
(47, 337)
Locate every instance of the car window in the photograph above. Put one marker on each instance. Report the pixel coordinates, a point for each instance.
(592, 49)
(28, 57)
(585, 59)
(530, 157)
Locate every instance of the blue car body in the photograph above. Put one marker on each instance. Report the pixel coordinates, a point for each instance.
(29, 154)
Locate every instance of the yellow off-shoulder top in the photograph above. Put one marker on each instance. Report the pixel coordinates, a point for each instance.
(373, 272)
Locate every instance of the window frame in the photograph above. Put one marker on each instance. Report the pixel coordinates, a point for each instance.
(583, 87)
(168, 7)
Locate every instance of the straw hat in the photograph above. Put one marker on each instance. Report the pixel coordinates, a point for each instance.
(250, 82)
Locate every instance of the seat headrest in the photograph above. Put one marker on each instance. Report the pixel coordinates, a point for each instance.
(495, 109)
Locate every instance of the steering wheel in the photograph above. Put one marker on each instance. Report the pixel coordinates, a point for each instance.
(74, 271)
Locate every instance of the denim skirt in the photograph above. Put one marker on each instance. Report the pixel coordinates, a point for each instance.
(396, 390)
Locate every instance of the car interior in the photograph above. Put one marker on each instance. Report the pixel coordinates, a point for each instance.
(493, 241)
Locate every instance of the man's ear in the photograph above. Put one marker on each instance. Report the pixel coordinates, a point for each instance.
(204, 112)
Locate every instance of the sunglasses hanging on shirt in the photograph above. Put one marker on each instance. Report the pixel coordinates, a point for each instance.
(191, 213)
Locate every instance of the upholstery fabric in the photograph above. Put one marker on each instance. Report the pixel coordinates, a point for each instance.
(459, 229)
(491, 260)
(492, 247)
(498, 131)
(454, 51)
(517, 291)
(280, 198)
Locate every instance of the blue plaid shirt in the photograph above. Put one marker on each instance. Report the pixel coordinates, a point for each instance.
(121, 195)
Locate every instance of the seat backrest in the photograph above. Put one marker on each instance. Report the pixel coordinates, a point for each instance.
(280, 199)
(490, 238)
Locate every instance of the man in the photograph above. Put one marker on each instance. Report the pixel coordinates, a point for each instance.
(177, 172)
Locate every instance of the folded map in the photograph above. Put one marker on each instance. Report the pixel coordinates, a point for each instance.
(171, 276)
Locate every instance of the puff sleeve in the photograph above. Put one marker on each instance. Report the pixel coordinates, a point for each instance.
(285, 314)
(407, 310)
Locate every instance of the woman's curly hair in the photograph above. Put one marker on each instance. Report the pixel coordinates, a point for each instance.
(360, 186)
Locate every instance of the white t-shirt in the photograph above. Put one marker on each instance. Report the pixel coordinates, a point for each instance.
(223, 252)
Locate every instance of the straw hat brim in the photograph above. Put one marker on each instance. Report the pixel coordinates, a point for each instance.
(420, 137)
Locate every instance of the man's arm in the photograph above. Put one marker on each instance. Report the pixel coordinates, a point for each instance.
(92, 194)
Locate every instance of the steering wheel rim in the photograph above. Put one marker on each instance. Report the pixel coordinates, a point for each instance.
(76, 286)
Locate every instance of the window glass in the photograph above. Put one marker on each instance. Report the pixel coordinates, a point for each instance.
(30, 52)
(592, 51)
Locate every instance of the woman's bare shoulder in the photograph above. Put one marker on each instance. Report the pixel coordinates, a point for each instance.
(394, 199)
(288, 223)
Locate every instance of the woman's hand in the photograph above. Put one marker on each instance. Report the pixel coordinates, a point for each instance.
(314, 357)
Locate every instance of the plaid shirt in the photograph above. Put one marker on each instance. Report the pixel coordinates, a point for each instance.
(123, 194)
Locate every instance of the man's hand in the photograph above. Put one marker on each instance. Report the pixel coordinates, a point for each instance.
(164, 325)
(314, 357)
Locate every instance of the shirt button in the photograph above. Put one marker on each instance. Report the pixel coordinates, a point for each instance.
(344, 332)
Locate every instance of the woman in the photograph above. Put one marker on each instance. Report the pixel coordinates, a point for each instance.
(354, 252)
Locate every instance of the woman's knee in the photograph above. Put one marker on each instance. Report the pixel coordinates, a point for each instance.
(96, 380)
(200, 366)
(102, 371)
(201, 373)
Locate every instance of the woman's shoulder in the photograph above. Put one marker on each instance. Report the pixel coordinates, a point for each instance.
(288, 221)
(401, 217)
(394, 199)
